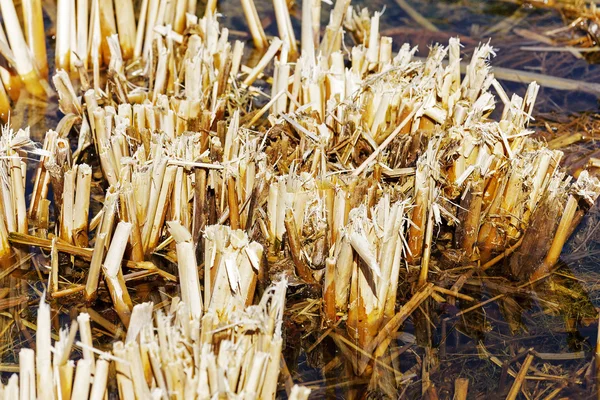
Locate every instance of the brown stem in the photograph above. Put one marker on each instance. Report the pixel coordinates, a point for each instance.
(295, 249)
(234, 208)
(516, 387)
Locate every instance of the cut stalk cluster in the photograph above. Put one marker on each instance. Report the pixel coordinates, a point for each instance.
(26, 54)
(365, 175)
(164, 354)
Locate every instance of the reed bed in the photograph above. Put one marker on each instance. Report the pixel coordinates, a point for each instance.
(381, 184)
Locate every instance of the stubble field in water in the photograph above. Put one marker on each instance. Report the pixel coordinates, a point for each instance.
(502, 330)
